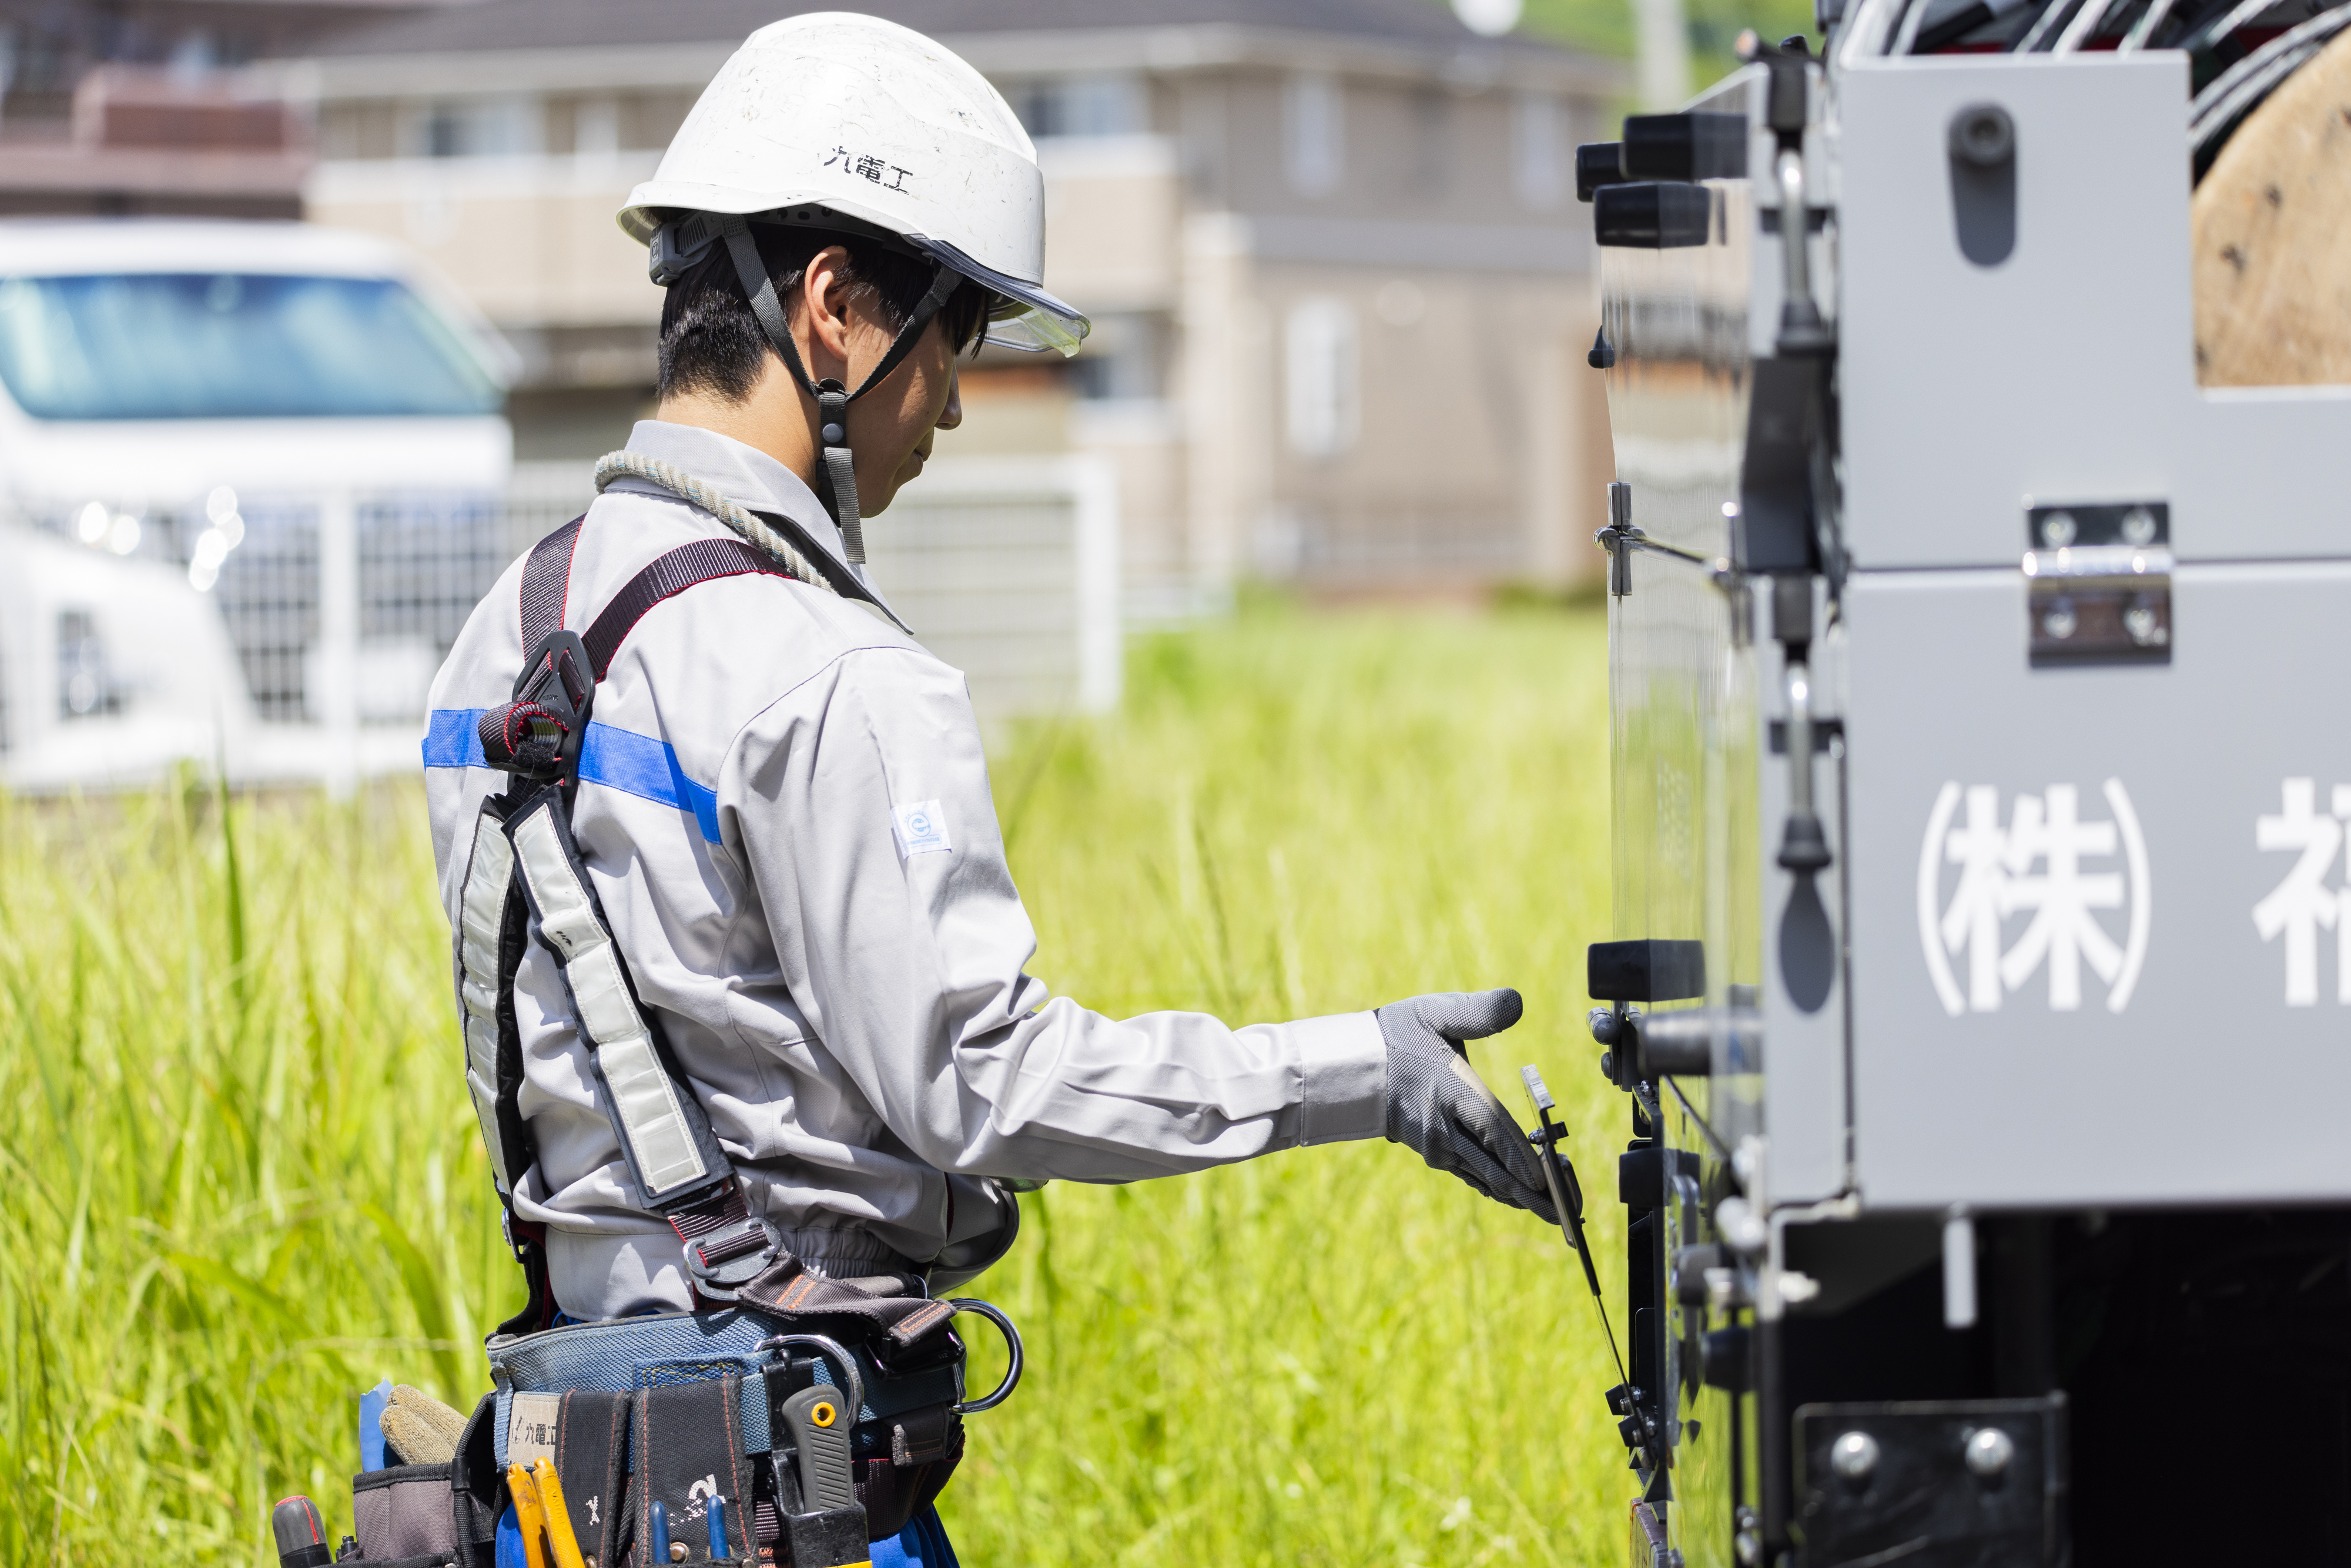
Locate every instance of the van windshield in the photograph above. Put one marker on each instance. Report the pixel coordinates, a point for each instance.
(227, 345)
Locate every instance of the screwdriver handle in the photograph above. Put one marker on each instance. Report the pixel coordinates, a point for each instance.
(301, 1533)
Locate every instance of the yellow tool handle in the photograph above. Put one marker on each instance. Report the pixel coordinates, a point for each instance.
(566, 1545)
(530, 1515)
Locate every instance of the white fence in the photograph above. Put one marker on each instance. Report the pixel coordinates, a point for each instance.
(308, 653)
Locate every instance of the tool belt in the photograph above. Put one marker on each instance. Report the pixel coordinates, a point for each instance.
(742, 1434)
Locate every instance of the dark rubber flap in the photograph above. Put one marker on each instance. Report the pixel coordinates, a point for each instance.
(1693, 145)
(834, 1539)
(690, 1445)
(1653, 215)
(1646, 971)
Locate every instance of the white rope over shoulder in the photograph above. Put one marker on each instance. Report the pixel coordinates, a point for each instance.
(694, 493)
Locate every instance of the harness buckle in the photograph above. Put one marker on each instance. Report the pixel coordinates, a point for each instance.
(539, 734)
(722, 1262)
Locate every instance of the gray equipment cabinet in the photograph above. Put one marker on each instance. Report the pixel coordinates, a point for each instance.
(1981, 978)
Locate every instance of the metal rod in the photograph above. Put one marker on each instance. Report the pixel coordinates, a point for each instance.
(1795, 234)
(1570, 1219)
(1800, 739)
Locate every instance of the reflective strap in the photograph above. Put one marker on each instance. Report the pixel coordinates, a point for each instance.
(481, 913)
(657, 1134)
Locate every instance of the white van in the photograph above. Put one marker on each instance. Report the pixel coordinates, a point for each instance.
(251, 480)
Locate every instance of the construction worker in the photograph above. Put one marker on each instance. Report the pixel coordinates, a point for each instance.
(781, 804)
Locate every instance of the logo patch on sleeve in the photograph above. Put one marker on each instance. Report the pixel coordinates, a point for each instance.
(922, 829)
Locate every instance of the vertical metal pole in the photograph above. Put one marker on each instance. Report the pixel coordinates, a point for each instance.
(1959, 1270)
(1102, 644)
(1775, 1480)
(1661, 52)
(333, 702)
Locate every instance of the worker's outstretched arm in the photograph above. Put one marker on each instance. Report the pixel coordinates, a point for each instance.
(872, 837)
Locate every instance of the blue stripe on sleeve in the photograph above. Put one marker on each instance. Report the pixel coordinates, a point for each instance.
(453, 739)
(638, 765)
(619, 760)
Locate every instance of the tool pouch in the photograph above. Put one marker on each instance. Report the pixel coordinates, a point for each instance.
(927, 1446)
(402, 1511)
(592, 1455)
(835, 1538)
(433, 1516)
(476, 1492)
(689, 1439)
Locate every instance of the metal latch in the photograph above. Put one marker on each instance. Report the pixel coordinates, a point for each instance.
(2098, 583)
(1619, 538)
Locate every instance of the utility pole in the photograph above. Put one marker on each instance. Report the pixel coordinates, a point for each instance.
(1663, 44)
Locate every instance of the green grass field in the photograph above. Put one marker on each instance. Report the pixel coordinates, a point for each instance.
(242, 1181)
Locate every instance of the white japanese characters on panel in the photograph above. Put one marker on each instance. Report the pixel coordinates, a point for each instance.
(2049, 888)
(2045, 889)
(2302, 903)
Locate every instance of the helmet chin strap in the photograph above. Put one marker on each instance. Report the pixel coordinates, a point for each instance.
(836, 475)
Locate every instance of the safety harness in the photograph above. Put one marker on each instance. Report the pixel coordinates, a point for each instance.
(525, 878)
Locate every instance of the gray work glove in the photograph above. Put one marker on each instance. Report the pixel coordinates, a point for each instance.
(1440, 1108)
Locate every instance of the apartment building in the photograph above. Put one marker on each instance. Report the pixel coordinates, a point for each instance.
(134, 107)
(1341, 289)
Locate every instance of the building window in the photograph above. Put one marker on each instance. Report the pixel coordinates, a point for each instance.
(1432, 156)
(1313, 132)
(478, 128)
(1324, 370)
(1535, 135)
(1124, 357)
(1096, 105)
(595, 128)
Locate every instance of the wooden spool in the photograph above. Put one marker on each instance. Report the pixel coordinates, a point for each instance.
(2272, 226)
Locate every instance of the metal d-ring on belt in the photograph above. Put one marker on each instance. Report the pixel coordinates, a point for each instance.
(855, 1381)
(1011, 1345)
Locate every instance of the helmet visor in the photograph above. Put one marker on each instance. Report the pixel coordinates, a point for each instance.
(1023, 315)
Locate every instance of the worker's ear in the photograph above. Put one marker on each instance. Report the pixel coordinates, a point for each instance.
(824, 305)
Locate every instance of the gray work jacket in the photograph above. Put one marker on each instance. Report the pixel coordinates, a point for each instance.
(784, 807)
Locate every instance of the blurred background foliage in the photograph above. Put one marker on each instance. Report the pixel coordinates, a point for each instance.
(242, 1181)
(1714, 25)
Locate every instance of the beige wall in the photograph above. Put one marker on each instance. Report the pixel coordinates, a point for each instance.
(1432, 153)
(530, 240)
(1113, 207)
(1471, 456)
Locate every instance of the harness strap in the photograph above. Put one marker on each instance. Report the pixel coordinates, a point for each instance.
(546, 583)
(538, 734)
(481, 930)
(703, 561)
(785, 1287)
(523, 845)
(666, 1136)
(490, 935)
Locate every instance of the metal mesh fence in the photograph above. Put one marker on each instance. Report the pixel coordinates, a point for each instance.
(990, 562)
(268, 594)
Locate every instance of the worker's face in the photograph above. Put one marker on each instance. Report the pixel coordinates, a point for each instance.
(893, 428)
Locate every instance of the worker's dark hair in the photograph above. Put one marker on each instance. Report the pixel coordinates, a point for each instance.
(711, 341)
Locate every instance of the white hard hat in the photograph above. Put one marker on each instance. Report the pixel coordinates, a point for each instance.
(835, 115)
